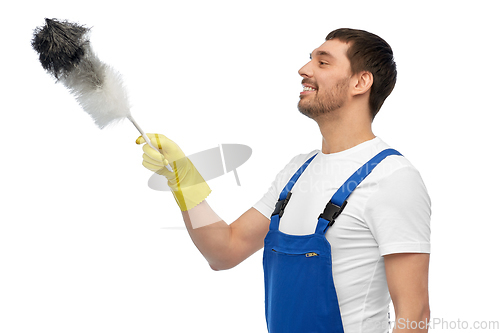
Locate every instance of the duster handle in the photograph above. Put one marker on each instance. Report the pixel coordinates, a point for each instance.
(146, 137)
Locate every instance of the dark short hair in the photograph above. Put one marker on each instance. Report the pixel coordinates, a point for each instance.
(369, 52)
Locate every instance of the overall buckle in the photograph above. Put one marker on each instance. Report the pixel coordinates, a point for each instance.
(332, 211)
(281, 204)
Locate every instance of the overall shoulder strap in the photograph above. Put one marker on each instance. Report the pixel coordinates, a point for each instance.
(285, 195)
(339, 200)
(294, 178)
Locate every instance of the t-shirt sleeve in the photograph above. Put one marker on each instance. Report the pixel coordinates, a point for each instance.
(398, 213)
(266, 204)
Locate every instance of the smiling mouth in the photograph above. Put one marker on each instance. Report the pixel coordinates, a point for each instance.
(307, 90)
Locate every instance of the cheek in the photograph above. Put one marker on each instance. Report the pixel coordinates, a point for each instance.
(325, 88)
(325, 83)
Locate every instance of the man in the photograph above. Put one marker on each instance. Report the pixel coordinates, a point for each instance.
(378, 246)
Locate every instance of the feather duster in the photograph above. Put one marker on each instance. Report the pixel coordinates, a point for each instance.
(65, 52)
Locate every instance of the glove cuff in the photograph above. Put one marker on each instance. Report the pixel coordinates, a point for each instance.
(191, 189)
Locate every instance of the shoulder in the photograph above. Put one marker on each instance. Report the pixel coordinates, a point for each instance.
(266, 204)
(398, 185)
(393, 165)
(396, 179)
(297, 161)
(291, 167)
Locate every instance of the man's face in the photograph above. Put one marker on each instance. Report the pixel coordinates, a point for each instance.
(325, 79)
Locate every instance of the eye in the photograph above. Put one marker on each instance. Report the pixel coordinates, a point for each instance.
(323, 62)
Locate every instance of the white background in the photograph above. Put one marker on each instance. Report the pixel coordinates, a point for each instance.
(86, 246)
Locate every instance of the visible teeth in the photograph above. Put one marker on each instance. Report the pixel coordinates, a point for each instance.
(309, 89)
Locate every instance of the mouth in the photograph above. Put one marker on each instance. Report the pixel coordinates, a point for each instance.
(307, 89)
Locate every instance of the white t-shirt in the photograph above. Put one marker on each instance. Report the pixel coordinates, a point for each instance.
(389, 212)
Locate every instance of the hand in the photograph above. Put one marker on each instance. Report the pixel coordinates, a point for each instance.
(171, 154)
(188, 186)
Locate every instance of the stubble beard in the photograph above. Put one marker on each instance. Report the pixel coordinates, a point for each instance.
(328, 102)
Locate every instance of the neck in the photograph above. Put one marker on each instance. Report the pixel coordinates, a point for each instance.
(341, 132)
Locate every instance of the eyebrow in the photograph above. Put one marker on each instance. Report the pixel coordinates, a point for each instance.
(321, 53)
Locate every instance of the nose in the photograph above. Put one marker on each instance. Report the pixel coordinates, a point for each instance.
(306, 70)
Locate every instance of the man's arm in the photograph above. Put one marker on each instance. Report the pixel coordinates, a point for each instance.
(407, 278)
(225, 246)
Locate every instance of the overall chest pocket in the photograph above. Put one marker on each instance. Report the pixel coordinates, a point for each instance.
(291, 253)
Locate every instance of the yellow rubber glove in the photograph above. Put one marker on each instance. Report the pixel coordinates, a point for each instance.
(187, 185)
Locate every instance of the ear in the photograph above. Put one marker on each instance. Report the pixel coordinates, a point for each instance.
(364, 83)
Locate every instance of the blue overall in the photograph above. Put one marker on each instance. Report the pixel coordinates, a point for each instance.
(299, 288)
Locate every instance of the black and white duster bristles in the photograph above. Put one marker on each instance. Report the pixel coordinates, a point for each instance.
(66, 53)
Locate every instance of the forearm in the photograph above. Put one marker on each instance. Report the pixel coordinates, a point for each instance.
(209, 233)
(407, 278)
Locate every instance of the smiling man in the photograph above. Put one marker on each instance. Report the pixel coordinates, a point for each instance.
(338, 271)
(334, 92)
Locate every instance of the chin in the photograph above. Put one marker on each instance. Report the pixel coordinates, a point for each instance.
(305, 111)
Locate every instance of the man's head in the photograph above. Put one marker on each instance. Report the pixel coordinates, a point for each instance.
(350, 63)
